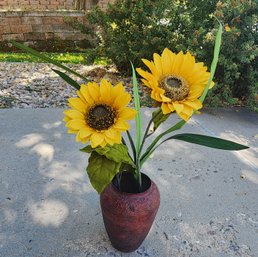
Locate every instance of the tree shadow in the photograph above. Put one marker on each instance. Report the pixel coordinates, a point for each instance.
(48, 207)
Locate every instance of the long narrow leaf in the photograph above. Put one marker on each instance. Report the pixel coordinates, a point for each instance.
(213, 142)
(214, 62)
(66, 78)
(138, 115)
(132, 144)
(45, 58)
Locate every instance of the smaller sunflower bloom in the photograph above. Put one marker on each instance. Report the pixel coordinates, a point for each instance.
(99, 114)
(176, 81)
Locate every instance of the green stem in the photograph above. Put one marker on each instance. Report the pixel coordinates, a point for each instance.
(149, 151)
(123, 141)
(139, 177)
(146, 132)
(132, 145)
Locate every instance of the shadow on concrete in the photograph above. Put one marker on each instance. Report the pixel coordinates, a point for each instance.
(48, 207)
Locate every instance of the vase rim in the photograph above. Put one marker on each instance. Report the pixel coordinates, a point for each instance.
(134, 194)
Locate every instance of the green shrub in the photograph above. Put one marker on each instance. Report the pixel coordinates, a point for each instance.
(237, 72)
(130, 30)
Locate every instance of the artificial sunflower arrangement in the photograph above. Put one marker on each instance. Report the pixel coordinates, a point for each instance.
(100, 113)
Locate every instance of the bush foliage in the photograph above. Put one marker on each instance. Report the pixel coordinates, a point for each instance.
(130, 30)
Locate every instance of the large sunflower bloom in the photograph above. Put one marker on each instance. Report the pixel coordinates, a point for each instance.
(99, 113)
(176, 81)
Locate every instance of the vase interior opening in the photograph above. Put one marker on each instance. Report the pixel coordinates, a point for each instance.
(129, 184)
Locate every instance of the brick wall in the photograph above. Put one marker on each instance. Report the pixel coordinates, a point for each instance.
(40, 26)
(39, 20)
(36, 4)
(26, 5)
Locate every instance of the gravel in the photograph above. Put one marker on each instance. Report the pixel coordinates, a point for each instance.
(35, 85)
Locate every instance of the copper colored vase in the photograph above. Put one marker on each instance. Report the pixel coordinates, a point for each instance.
(128, 216)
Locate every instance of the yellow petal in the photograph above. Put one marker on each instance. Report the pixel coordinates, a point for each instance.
(184, 116)
(196, 104)
(66, 119)
(85, 132)
(78, 138)
(178, 107)
(156, 96)
(113, 136)
(211, 85)
(121, 125)
(166, 61)
(117, 90)
(122, 101)
(165, 109)
(118, 138)
(111, 133)
(105, 90)
(96, 139)
(76, 124)
(151, 66)
(179, 59)
(127, 113)
(70, 131)
(93, 91)
(85, 140)
(195, 93)
(187, 110)
(148, 76)
(77, 104)
(158, 64)
(85, 92)
(103, 144)
(164, 98)
(187, 67)
(74, 114)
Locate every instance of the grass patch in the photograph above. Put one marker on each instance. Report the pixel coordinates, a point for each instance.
(74, 58)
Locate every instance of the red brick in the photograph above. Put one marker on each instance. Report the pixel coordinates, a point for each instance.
(53, 20)
(42, 28)
(52, 7)
(14, 20)
(31, 20)
(3, 21)
(5, 29)
(21, 28)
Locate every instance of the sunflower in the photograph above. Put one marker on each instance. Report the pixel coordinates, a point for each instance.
(176, 81)
(99, 113)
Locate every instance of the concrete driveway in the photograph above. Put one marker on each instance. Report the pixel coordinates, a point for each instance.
(209, 198)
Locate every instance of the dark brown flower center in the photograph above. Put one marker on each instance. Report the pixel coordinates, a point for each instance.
(176, 88)
(101, 116)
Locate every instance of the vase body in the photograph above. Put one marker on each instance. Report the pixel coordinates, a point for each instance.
(128, 217)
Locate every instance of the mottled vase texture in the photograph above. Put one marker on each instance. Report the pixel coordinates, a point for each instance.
(128, 217)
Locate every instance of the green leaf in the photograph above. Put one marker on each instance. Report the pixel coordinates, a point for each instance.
(214, 62)
(138, 115)
(132, 144)
(66, 78)
(87, 149)
(158, 118)
(45, 58)
(117, 153)
(208, 141)
(101, 171)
